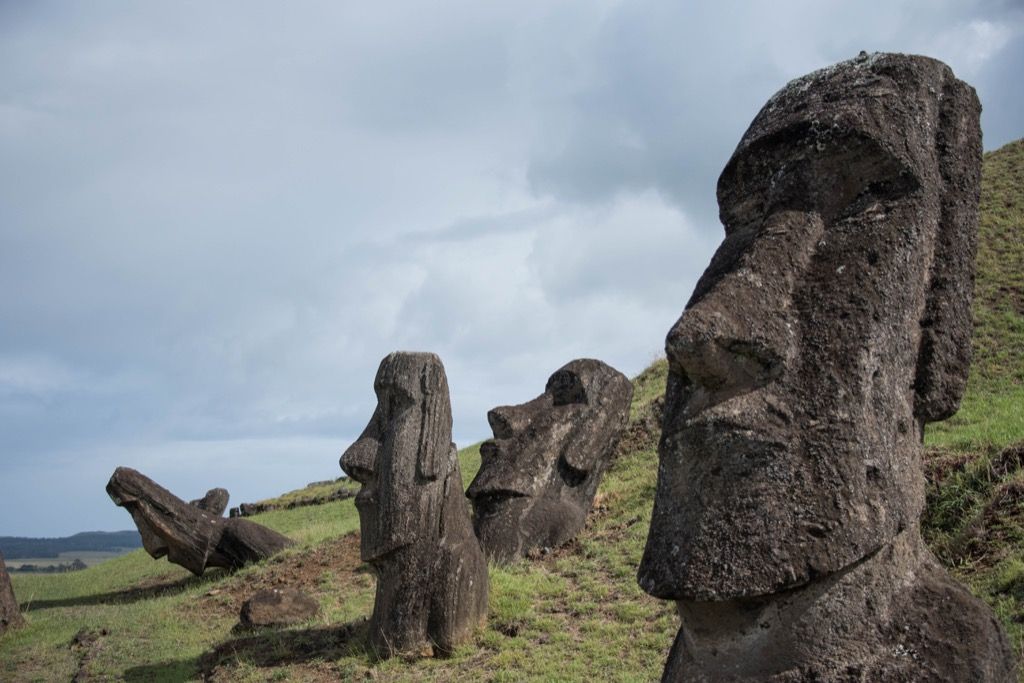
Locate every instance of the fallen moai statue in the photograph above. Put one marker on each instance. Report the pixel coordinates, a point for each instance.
(833, 322)
(215, 502)
(188, 535)
(539, 473)
(10, 613)
(414, 519)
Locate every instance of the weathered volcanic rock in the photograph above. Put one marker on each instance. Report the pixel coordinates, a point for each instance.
(278, 607)
(186, 534)
(539, 473)
(10, 614)
(414, 519)
(832, 323)
(215, 502)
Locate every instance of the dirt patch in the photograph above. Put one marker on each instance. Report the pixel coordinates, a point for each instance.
(302, 571)
(85, 645)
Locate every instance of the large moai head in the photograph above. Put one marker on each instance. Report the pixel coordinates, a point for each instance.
(539, 473)
(402, 456)
(832, 323)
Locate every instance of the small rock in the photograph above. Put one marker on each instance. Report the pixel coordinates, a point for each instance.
(278, 607)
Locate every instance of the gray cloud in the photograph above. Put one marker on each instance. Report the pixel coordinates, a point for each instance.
(215, 219)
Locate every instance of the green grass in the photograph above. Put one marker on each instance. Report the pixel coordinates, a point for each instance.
(974, 519)
(575, 613)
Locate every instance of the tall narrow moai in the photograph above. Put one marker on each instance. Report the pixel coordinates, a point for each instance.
(539, 474)
(833, 322)
(413, 515)
(10, 613)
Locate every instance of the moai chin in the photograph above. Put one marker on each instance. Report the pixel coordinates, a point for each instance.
(833, 322)
(414, 519)
(10, 613)
(539, 473)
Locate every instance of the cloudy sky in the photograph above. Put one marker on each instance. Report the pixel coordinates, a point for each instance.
(217, 218)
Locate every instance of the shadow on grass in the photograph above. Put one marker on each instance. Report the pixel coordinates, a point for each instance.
(177, 671)
(155, 588)
(283, 648)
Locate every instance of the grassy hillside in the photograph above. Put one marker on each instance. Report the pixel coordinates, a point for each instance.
(975, 516)
(569, 615)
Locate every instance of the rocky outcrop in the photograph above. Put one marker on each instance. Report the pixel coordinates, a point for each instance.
(10, 613)
(414, 520)
(249, 509)
(832, 323)
(185, 534)
(539, 473)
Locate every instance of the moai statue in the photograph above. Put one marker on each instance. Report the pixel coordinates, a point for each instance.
(215, 502)
(539, 473)
(10, 613)
(833, 322)
(188, 535)
(414, 519)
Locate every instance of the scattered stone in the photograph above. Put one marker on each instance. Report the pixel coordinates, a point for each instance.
(539, 473)
(415, 525)
(10, 613)
(833, 323)
(215, 502)
(186, 534)
(250, 509)
(278, 607)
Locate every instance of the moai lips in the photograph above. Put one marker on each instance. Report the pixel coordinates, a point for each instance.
(832, 323)
(539, 473)
(414, 520)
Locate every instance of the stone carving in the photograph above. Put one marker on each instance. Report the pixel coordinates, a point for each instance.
(539, 473)
(10, 613)
(414, 519)
(186, 534)
(833, 322)
(215, 502)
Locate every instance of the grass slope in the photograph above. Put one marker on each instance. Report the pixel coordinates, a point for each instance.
(569, 615)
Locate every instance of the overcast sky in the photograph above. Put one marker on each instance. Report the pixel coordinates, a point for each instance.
(216, 218)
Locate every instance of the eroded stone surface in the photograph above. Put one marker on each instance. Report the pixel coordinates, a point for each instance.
(10, 614)
(414, 519)
(832, 323)
(278, 607)
(186, 534)
(215, 501)
(539, 473)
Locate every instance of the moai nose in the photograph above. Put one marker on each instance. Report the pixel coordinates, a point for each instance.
(360, 460)
(718, 349)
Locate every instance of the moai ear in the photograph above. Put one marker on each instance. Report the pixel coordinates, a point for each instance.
(433, 445)
(944, 356)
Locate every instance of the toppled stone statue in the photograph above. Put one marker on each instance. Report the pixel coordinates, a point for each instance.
(186, 534)
(10, 613)
(833, 322)
(414, 519)
(539, 473)
(215, 501)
